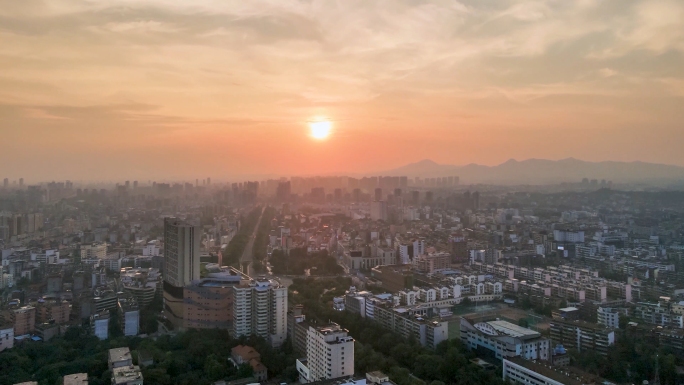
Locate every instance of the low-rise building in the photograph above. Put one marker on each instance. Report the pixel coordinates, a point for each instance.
(505, 340)
(47, 330)
(243, 354)
(76, 379)
(119, 357)
(520, 371)
(127, 375)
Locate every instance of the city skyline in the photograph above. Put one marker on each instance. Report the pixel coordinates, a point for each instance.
(159, 90)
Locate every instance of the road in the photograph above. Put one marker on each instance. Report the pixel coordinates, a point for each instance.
(248, 254)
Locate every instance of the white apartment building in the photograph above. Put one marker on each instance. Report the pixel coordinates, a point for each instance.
(260, 308)
(6, 337)
(404, 256)
(609, 317)
(152, 249)
(329, 354)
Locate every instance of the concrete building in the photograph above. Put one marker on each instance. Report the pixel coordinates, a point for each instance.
(609, 317)
(6, 337)
(204, 304)
(260, 308)
(659, 313)
(129, 316)
(53, 311)
(119, 357)
(23, 319)
(519, 371)
(568, 236)
(329, 354)
(127, 375)
(181, 252)
(432, 262)
(94, 251)
(99, 323)
(378, 210)
(582, 336)
(505, 340)
(76, 379)
(410, 321)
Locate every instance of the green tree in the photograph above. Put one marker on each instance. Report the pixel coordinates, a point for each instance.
(623, 320)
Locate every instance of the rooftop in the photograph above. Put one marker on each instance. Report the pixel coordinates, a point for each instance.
(76, 379)
(126, 374)
(119, 354)
(564, 375)
(513, 330)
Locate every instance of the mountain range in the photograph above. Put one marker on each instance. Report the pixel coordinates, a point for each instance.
(542, 171)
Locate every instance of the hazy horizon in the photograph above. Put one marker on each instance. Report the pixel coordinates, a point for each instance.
(163, 90)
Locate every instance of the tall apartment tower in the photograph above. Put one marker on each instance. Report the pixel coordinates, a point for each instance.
(329, 354)
(181, 252)
(260, 308)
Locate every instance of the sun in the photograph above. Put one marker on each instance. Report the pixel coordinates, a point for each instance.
(320, 129)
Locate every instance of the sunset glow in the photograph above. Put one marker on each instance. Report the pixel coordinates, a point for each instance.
(320, 129)
(130, 84)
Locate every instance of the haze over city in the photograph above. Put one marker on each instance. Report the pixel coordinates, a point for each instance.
(155, 89)
(341, 192)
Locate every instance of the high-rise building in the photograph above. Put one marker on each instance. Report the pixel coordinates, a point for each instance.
(329, 354)
(378, 194)
(181, 252)
(260, 308)
(284, 191)
(181, 265)
(378, 210)
(5, 183)
(415, 197)
(356, 195)
(21, 182)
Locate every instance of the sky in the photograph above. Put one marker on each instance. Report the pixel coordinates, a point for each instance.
(155, 89)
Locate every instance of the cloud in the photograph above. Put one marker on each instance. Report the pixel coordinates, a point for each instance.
(245, 66)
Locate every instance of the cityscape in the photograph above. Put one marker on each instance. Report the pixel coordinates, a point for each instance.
(377, 192)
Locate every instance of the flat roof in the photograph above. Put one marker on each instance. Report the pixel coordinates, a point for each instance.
(513, 330)
(119, 354)
(565, 375)
(76, 379)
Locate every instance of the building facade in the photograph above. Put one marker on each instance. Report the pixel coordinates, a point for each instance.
(260, 308)
(329, 354)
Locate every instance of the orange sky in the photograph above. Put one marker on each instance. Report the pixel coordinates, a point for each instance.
(162, 89)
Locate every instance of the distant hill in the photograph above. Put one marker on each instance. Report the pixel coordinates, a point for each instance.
(541, 171)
